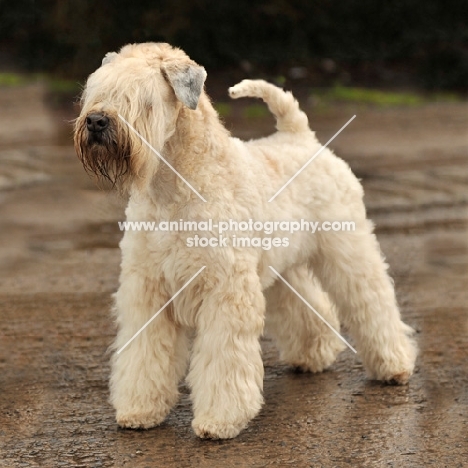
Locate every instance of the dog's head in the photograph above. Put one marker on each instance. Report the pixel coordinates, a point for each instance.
(136, 93)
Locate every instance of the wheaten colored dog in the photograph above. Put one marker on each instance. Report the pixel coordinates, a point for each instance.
(213, 327)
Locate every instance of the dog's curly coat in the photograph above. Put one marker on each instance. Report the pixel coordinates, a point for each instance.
(159, 91)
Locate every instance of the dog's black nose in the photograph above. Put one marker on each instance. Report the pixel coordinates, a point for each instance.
(97, 122)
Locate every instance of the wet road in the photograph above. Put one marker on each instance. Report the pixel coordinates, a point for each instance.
(59, 264)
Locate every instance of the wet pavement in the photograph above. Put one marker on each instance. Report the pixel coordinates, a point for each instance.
(59, 265)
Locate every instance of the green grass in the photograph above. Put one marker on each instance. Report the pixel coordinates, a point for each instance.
(224, 109)
(55, 85)
(379, 98)
(61, 86)
(12, 79)
(251, 111)
(256, 111)
(372, 96)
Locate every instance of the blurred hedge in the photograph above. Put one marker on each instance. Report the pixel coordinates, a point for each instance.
(426, 40)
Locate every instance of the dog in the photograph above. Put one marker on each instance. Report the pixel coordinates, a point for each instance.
(147, 125)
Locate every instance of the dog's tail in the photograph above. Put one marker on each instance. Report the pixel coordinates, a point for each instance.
(289, 118)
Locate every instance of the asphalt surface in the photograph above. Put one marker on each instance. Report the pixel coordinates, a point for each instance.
(59, 264)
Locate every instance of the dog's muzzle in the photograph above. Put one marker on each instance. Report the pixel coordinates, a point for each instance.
(103, 146)
(96, 123)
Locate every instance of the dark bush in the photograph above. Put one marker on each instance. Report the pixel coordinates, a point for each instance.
(425, 40)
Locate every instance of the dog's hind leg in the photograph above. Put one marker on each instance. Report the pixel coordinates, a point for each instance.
(352, 270)
(226, 368)
(145, 374)
(304, 340)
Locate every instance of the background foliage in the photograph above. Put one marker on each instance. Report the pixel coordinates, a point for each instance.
(417, 42)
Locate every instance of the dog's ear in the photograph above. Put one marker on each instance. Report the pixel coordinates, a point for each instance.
(187, 81)
(108, 58)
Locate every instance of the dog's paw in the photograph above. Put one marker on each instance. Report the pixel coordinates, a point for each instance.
(210, 429)
(394, 375)
(398, 365)
(399, 379)
(389, 377)
(318, 357)
(135, 420)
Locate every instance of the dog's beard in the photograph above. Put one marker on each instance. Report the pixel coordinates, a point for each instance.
(104, 154)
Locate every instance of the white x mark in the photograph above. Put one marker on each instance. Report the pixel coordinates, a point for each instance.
(313, 310)
(143, 139)
(161, 309)
(312, 158)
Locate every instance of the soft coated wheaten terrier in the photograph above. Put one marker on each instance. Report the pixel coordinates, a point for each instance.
(213, 326)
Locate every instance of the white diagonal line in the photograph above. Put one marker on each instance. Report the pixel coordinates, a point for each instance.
(161, 309)
(161, 157)
(313, 310)
(312, 158)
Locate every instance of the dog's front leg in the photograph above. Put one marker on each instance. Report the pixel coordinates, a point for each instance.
(146, 372)
(226, 370)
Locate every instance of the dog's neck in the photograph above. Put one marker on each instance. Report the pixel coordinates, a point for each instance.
(198, 142)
